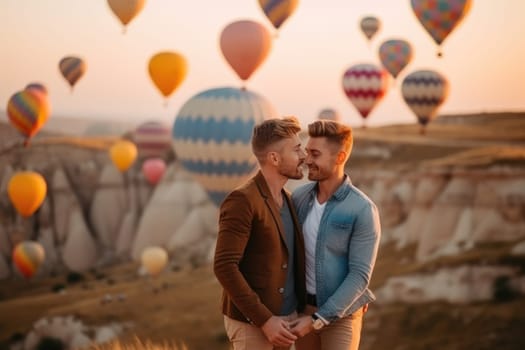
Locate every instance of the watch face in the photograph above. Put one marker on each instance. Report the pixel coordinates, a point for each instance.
(318, 324)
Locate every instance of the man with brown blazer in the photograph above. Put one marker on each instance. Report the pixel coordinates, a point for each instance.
(259, 258)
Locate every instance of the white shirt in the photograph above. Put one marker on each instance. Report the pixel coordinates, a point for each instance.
(310, 232)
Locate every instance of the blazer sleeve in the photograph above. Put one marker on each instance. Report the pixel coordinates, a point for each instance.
(235, 222)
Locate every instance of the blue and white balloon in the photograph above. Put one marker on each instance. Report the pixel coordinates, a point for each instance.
(212, 137)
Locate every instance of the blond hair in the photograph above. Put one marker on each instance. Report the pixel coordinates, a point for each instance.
(271, 131)
(336, 133)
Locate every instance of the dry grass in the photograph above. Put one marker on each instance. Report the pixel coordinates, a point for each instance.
(138, 344)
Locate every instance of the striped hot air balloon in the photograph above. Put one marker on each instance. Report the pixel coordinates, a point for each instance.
(28, 111)
(440, 17)
(72, 69)
(395, 54)
(37, 86)
(370, 25)
(153, 139)
(27, 257)
(278, 11)
(212, 133)
(365, 85)
(424, 91)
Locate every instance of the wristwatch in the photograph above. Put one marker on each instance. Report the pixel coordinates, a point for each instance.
(317, 322)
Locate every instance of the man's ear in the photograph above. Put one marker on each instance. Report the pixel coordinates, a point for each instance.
(273, 157)
(341, 157)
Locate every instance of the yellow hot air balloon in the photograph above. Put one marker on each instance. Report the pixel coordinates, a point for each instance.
(27, 190)
(154, 260)
(167, 71)
(126, 10)
(123, 154)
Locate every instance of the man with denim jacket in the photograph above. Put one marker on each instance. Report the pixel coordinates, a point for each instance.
(341, 233)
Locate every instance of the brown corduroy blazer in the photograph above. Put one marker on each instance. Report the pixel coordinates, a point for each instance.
(251, 257)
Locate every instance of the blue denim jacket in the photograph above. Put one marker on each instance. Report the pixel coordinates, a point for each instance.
(346, 248)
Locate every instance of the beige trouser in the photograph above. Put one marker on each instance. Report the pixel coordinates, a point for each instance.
(343, 334)
(245, 336)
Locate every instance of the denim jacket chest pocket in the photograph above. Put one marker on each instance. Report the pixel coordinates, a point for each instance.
(338, 237)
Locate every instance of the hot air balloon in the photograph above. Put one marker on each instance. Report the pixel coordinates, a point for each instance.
(72, 69)
(212, 134)
(245, 45)
(28, 111)
(424, 91)
(329, 114)
(440, 17)
(37, 87)
(153, 260)
(278, 11)
(27, 190)
(153, 170)
(167, 71)
(395, 54)
(126, 10)
(27, 257)
(123, 154)
(369, 26)
(153, 139)
(365, 85)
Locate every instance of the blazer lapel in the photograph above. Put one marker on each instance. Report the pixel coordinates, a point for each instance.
(270, 203)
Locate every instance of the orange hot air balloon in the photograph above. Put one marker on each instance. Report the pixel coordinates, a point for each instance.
(167, 71)
(245, 45)
(27, 190)
(72, 69)
(123, 153)
(28, 111)
(154, 259)
(27, 257)
(126, 10)
(153, 169)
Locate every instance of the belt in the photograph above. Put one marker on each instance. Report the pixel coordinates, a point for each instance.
(311, 299)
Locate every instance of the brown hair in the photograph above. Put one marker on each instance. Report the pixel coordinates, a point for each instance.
(272, 131)
(336, 133)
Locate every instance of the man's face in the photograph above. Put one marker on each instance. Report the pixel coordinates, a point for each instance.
(291, 157)
(321, 159)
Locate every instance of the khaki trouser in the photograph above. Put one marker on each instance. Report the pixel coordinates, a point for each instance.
(246, 336)
(343, 334)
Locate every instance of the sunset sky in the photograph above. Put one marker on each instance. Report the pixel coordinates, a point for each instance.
(484, 58)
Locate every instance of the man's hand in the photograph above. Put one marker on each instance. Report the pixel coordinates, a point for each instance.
(302, 326)
(277, 331)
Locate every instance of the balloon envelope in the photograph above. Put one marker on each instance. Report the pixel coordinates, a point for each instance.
(167, 71)
(72, 69)
(28, 110)
(37, 86)
(395, 54)
(365, 85)
(440, 17)
(329, 114)
(126, 10)
(154, 260)
(424, 91)
(153, 139)
(212, 134)
(369, 26)
(27, 257)
(153, 169)
(245, 45)
(123, 154)
(27, 190)
(278, 11)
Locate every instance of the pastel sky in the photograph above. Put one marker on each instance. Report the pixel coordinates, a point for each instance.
(484, 58)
